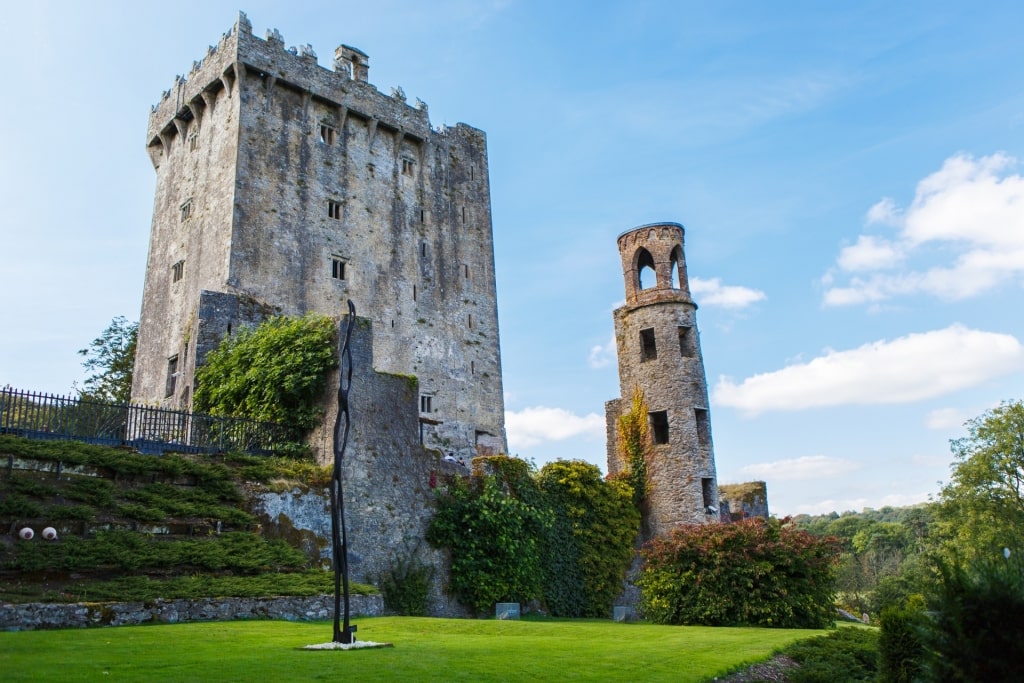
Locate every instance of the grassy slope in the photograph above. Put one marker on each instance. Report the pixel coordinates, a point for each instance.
(424, 650)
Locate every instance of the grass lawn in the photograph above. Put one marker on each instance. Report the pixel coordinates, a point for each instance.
(424, 650)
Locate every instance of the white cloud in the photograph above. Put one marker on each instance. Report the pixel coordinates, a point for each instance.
(869, 253)
(907, 369)
(532, 426)
(884, 212)
(973, 208)
(713, 293)
(603, 355)
(807, 467)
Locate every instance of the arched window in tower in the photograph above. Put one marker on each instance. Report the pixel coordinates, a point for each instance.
(676, 260)
(645, 269)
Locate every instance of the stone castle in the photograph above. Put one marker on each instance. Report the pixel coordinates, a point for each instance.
(287, 188)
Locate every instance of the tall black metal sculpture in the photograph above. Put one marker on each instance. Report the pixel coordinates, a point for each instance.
(339, 539)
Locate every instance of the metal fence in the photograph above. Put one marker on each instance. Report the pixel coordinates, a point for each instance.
(148, 430)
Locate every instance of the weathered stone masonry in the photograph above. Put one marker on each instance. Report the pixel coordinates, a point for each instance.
(659, 352)
(285, 187)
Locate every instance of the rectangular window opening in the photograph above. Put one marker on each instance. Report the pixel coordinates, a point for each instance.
(423, 216)
(193, 141)
(177, 271)
(465, 270)
(686, 345)
(659, 426)
(408, 166)
(414, 292)
(463, 214)
(707, 488)
(328, 134)
(703, 426)
(648, 347)
(186, 211)
(172, 375)
(426, 404)
(337, 268)
(472, 367)
(334, 209)
(469, 319)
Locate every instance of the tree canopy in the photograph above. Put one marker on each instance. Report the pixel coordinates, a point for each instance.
(110, 359)
(982, 507)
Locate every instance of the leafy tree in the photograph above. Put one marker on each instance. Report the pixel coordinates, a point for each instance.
(753, 572)
(982, 507)
(276, 372)
(111, 359)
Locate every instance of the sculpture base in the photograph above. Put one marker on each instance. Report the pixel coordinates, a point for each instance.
(356, 645)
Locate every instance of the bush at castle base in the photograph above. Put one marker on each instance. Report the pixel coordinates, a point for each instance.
(754, 573)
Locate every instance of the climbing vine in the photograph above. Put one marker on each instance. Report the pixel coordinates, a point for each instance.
(493, 537)
(603, 523)
(562, 536)
(635, 443)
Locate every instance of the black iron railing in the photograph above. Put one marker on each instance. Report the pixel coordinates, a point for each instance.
(147, 429)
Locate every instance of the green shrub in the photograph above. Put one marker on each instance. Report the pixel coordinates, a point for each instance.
(493, 538)
(406, 587)
(61, 513)
(847, 655)
(31, 486)
(900, 646)
(753, 572)
(563, 536)
(240, 552)
(276, 372)
(975, 633)
(15, 505)
(92, 490)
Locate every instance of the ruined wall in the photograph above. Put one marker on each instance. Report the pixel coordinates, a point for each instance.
(659, 351)
(386, 476)
(309, 187)
(742, 501)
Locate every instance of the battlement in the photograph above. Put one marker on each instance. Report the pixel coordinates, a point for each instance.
(240, 56)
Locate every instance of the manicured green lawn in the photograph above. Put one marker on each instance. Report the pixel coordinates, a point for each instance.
(424, 650)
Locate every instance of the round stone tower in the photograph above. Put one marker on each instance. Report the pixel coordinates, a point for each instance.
(659, 353)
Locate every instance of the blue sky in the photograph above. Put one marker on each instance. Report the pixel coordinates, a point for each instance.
(849, 175)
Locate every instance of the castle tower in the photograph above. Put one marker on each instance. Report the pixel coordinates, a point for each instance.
(283, 187)
(659, 352)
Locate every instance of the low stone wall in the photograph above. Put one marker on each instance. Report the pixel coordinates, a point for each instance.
(32, 616)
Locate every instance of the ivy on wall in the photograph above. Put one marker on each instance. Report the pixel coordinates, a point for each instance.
(562, 536)
(602, 522)
(635, 444)
(276, 372)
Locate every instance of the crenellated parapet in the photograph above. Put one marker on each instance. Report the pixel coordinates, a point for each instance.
(241, 59)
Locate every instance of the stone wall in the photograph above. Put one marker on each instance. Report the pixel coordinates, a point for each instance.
(34, 616)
